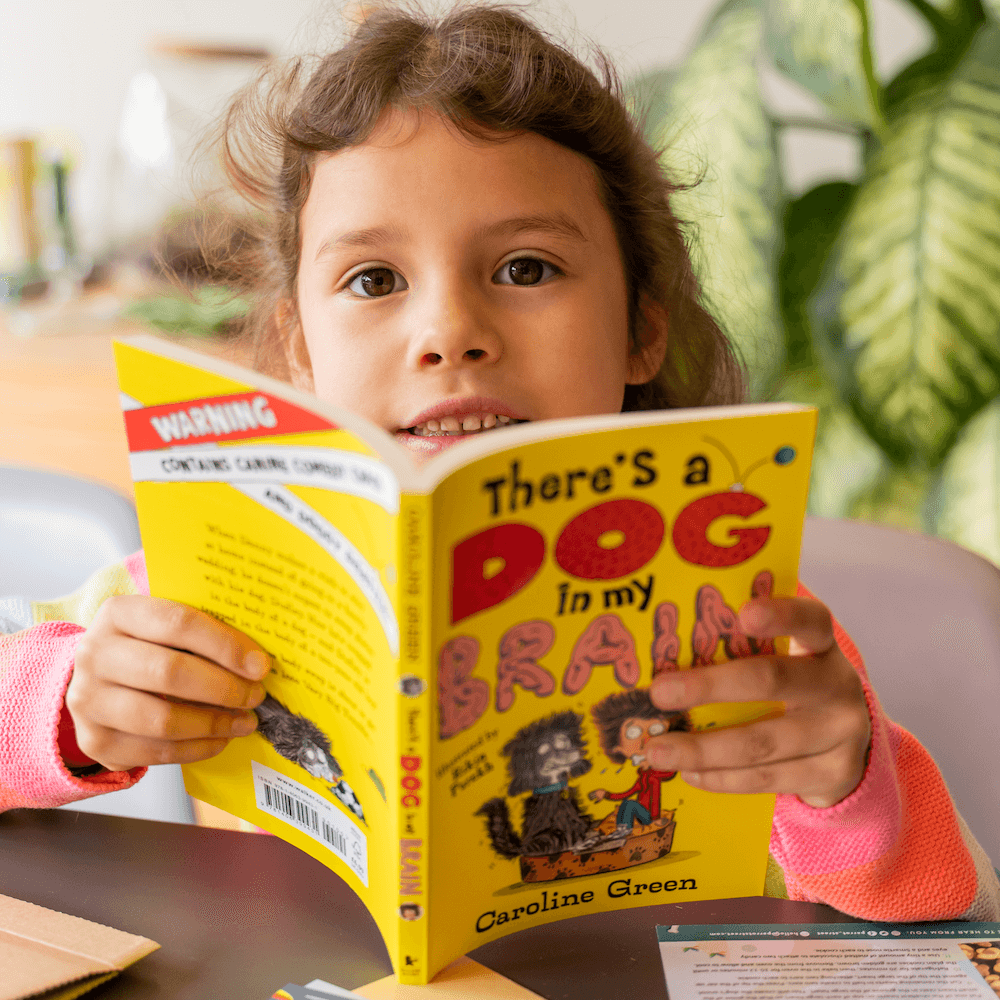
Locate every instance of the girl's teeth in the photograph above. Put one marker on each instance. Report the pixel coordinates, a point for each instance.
(469, 425)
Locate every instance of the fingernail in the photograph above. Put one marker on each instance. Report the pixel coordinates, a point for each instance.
(255, 696)
(244, 725)
(256, 664)
(692, 777)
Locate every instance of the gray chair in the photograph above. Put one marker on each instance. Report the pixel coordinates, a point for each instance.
(55, 530)
(925, 614)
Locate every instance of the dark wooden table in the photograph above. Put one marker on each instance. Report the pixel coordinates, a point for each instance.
(239, 914)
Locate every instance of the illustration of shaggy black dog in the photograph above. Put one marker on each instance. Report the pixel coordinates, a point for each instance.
(301, 741)
(544, 755)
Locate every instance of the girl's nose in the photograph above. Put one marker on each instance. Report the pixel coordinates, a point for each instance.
(432, 358)
(457, 330)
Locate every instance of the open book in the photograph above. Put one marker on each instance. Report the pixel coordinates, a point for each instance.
(463, 649)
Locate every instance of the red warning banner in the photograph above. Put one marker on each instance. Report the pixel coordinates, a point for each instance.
(217, 418)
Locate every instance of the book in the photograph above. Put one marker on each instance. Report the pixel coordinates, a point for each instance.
(934, 961)
(463, 648)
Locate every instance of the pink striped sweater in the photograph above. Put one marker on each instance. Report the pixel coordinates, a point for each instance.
(896, 849)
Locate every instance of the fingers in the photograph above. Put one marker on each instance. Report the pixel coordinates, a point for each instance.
(163, 670)
(820, 781)
(793, 680)
(816, 671)
(817, 749)
(157, 682)
(138, 713)
(761, 746)
(122, 752)
(167, 623)
(807, 622)
(123, 728)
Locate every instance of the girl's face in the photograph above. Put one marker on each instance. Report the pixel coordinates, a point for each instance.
(449, 286)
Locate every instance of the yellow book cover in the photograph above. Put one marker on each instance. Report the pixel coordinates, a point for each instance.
(463, 648)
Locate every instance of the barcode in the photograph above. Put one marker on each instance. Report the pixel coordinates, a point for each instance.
(288, 800)
(334, 838)
(296, 810)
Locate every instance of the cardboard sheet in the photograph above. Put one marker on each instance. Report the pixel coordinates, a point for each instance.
(57, 957)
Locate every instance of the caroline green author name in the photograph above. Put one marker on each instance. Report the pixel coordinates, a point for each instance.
(552, 899)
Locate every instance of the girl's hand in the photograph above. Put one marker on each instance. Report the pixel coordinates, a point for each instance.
(817, 750)
(156, 682)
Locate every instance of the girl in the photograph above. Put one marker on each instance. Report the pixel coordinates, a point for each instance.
(463, 228)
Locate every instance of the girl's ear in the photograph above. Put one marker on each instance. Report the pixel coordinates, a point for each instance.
(651, 329)
(293, 343)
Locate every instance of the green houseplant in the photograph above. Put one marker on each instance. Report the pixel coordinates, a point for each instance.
(876, 299)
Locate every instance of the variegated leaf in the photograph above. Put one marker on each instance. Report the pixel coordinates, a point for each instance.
(717, 124)
(970, 486)
(846, 462)
(896, 497)
(911, 305)
(824, 46)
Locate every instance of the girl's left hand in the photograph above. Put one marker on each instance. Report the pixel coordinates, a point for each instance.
(817, 750)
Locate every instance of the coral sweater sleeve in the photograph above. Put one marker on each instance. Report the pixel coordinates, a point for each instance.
(896, 849)
(38, 640)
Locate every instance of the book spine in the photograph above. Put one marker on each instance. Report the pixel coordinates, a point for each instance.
(416, 692)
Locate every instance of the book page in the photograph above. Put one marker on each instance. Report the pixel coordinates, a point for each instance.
(272, 519)
(569, 572)
(859, 961)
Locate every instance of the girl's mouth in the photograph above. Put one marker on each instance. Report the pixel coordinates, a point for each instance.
(446, 423)
(473, 423)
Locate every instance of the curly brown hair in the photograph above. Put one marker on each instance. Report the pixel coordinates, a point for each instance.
(491, 74)
(612, 711)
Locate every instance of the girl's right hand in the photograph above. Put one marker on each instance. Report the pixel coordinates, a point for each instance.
(157, 682)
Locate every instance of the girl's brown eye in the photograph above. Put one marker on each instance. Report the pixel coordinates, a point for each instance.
(375, 282)
(526, 271)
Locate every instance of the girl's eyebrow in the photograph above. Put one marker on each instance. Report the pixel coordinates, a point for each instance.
(555, 224)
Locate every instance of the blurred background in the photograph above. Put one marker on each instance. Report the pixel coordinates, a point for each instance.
(846, 225)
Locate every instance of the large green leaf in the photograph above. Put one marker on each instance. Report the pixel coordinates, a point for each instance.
(811, 224)
(824, 46)
(718, 125)
(992, 7)
(969, 493)
(897, 497)
(846, 462)
(910, 308)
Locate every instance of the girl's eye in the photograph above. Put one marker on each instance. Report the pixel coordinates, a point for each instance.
(657, 728)
(376, 281)
(633, 732)
(525, 271)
